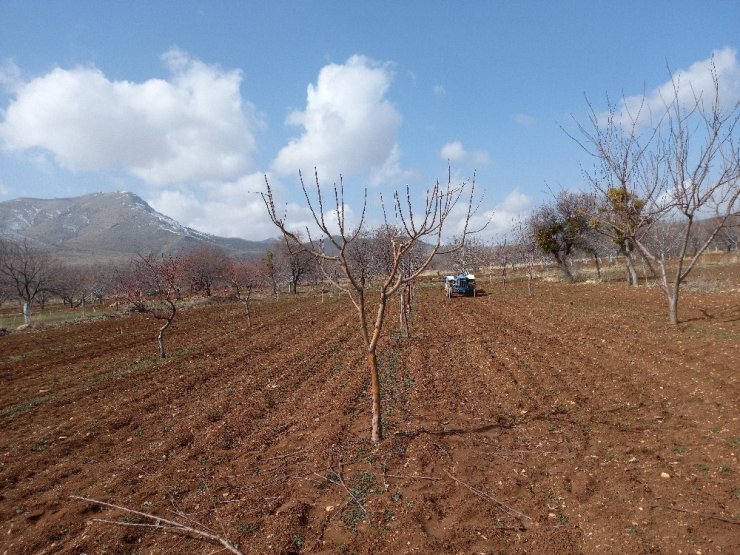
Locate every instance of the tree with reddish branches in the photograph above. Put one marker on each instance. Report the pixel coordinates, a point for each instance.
(204, 268)
(150, 285)
(244, 277)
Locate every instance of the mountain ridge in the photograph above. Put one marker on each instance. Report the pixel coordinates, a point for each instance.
(107, 226)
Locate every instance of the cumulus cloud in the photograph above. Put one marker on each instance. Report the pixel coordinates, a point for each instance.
(10, 75)
(391, 171)
(231, 209)
(498, 221)
(694, 82)
(456, 152)
(439, 90)
(236, 208)
(192, 127)
(349, 126)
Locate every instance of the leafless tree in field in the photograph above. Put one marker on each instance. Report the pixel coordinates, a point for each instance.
(151, 287)
(27, 271)
(526, 250)
(270, 271)
(74, 284)
(244, 278)
(472, 256)
(412, 227)
(204, 267)
(729, 236)
(293, 263)
(103, 283)
(666, 175)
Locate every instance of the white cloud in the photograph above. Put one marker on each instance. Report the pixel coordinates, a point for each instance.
(10, 76)
(391, 172)
(232, 209)
(4, 191)
(524, 119)
(349, 126)
(456, 152)
(236, 209)
(192, 127)
(694, 82)
(500, 220)
(439, 90)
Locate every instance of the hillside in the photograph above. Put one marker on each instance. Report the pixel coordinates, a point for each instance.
(105, 226)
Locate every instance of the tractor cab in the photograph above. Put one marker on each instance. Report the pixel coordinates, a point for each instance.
(461, 284)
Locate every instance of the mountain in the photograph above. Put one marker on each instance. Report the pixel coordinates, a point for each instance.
(107, 226)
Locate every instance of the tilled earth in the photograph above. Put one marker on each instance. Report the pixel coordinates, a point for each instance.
(573, 421)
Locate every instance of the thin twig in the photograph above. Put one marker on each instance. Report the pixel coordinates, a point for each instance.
(484, 495)
(161, 523)
(730, 521)
(412, 477)
(287, 455)
(349, 491)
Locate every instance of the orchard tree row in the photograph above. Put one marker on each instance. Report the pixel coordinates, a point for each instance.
(664, 187)
(33, 276)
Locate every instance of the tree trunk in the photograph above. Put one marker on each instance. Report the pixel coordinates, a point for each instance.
(631, 272)
(160, 339)
(598, 266)
(564, 267)
(248, 314)
(26, 312)
(377, 430)
(404, 315)
(673, 307)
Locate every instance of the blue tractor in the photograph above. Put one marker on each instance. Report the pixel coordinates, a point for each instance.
(461, 284)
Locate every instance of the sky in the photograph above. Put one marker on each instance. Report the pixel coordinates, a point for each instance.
(194, 104)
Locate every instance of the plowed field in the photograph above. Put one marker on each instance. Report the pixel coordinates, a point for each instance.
(574, 421)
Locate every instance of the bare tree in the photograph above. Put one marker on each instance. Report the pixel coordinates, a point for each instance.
(425, 225)
(666, 175)
(74, 284)
(103, 283)
(472, 256)
(729, 237)
(27, 271)
(525, 249)
(270, 271)
(150, 286)
(293, 263)
(501, 255)
(244, 278)
(203, 267)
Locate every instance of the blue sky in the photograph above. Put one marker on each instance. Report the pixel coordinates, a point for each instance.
(189, 104)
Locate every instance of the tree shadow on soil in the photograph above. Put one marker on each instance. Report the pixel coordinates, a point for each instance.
(731, 314)
(501, 423)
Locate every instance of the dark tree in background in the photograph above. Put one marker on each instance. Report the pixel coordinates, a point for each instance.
(27, 271)
(562, 226)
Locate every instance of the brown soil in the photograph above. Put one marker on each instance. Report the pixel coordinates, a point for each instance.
(575, 421)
